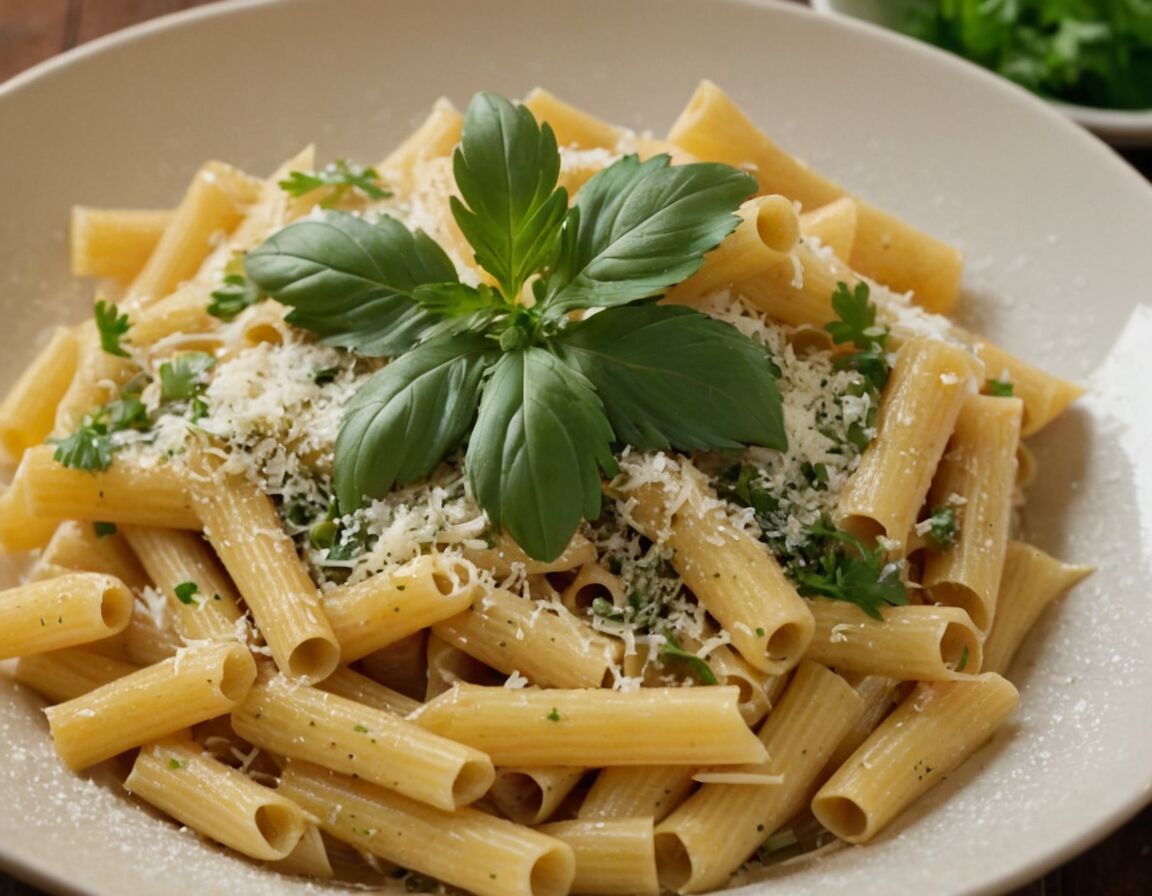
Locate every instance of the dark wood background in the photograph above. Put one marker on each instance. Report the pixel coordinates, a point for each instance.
(34, 30)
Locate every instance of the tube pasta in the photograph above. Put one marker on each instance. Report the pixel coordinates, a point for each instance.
(244, 529)
(915, 643)
(354, 686)
(558, 726)
(448, 665)
(63, 674)
(301, 722)
(195, 685)
(764, 239)
(467, 848)
(73, 609)
(506, 632)
(636, 792)
(113, 242)
(936, 727)
(28, 411)
(219, 802)
(890, 250)
(926, 389)
(716, 829)
(173, 558)
(834, 225)
(979, 466)
(434, 138)
(77, 547)
(572, 126)
(215, 201)
(391, 606)
(616, 857)
(1032, 579)
(730, 573)
(530, 796)
(129, 492)
(506, 557)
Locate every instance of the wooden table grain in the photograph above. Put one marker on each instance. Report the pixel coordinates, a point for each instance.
(34, 30)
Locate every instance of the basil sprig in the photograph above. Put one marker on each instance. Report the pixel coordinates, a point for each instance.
(539, 398)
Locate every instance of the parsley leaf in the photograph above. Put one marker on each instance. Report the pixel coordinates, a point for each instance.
(999, 388)
(506, 168)
(103, 529)
(340, 176)
(235, 293)
(181, 379)
(534, 454)
(351, 282)
(1081, 51)
(409, 415)
(942, 528)
(186, 592)
(89, 447)
(637, 228)
(670, 376)
(845, 569)
(857, 323)
(111, 327)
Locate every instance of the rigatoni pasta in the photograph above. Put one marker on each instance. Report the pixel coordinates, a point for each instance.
(321, 619)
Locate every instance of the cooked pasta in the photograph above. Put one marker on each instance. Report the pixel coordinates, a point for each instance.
(629, 525)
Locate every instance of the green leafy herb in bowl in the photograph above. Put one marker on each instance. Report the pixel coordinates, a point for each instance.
(1090, 58)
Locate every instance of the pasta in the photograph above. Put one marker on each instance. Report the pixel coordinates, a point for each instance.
(288, 556)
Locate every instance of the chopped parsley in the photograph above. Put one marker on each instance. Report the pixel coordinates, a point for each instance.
(963, 664)
(103, 529)
(235, 293)
(942, 528)
(183, 379)
(339, 178)
(111, 326)
(186, 592)
(837, 565)
(175, 764)
(89, 447)
(999, 388)
(553, 716)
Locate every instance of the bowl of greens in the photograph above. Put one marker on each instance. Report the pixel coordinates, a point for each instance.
(1092, 59)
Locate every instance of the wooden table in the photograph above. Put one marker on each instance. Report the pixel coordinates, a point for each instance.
(34, 30)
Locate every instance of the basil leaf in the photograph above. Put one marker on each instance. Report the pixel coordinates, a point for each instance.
(411, 413)
(506, 168)
(673, 377)
(533, 455)
(639, 227)
(351, 282)
(455, 299)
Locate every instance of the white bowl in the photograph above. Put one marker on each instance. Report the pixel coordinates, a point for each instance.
(1120, 127)
(1054, 225)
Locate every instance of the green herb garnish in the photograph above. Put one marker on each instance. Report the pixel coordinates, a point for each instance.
(339, 177)
(103, 530)
(943, 528)
(186, 592)
(842, 568)
(1093, 52)
(857, 325)
(699, 667)
(999, 388)
(531, 390)
(553, 716)
(111, 326)
(234, 294)
(963, 664)
(175, 764)
(89, 447)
